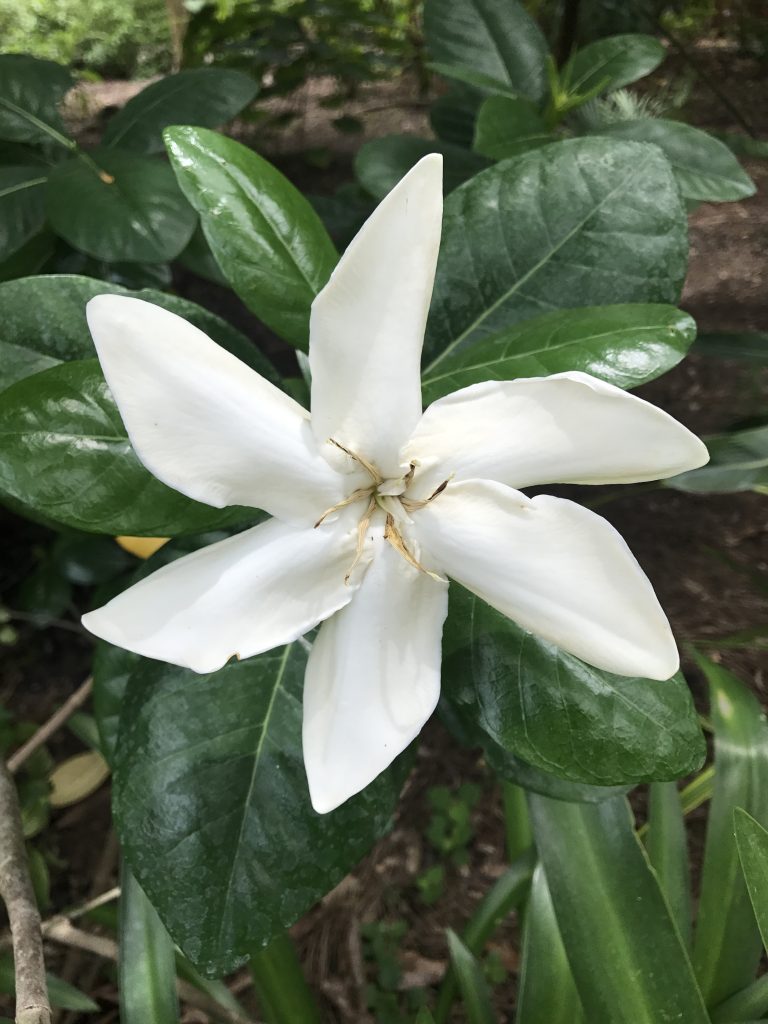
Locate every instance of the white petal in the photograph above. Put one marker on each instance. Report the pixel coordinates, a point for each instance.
(373, 678)
(202, 421)
(555, 568)
(367, 325)
(567, 428)
(239, 597)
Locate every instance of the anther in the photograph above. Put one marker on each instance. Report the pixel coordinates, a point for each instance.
(394, 537)
(367, 466)
(362, 530)
(362, 492)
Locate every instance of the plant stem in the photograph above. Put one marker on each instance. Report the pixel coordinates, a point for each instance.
(280, 985)
(32, 1005)
(57, 719)
(517, 825)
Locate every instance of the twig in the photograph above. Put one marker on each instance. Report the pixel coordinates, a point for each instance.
(32, 1006)
(60, 929)
(57, 719)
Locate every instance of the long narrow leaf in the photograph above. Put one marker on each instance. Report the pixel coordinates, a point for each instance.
(474, 990)
(668, 853)
(628, 961)
(280, 985)
(727, 944)
(745, 1004)
(147, 968)
(547, 990)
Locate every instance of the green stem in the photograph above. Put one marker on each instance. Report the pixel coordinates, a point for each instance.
(517, 824)
(280, 985)
(749, 1004)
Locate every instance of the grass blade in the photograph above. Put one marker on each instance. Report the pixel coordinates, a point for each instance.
(474, 990)
(667, 848)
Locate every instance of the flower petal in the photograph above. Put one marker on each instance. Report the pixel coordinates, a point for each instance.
(554, 567)
(367, 325)
(373, 678)
(239, 597)
(202, 421)
(567, 428)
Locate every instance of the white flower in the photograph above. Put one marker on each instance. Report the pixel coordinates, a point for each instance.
(374, 503)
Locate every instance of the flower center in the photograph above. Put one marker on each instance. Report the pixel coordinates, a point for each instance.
(389, 496)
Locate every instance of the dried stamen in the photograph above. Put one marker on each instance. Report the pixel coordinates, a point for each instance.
(394, 537)
(362, 530)
(362, 492)
(367, 466)
(412, 506)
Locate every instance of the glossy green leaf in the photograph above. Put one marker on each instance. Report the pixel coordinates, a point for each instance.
(561, 715)
(741, 346)
(625, 345)
(61, 994)
(727, 945)
(705, 169)
(497, 38)
(30, 93)
(134, 211)
(667, 847)
(507, 893)
(474, 79)
(738, 461)
(381, 163)
(547, 991)
(475, 997)
(745, 1005)
(584, 222)
(752, 844)
(507, 127)
(22, 211)
(264, 234)
(627, 958)
(66, 456)
(213, 809)
(44, 324)
(616, 61)
(208, 97)
(147, 965)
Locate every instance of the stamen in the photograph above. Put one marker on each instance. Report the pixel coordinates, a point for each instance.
(362, 530)
(412, 506)
(394, 537)
(367, 466)
(362, 492)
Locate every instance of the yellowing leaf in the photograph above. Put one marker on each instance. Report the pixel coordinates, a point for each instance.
(77, 777)
(142, 547)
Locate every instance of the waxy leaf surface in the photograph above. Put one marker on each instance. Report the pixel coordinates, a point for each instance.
(615, 61)
(213, 808)
(30, 93)
(381, 163)
(263, 233)
(583, 222)
(22, 211)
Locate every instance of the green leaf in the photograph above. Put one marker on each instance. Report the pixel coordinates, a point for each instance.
(584, 222)
(738, 461)
(752, 844)
(30, 258)
(625, 345)
(66, 456)
(727, 944)
(381, 163)
(507, 127)
(627, 958)
(561, 715)
(147, 965)
(474, 990)
(507, 893)
(452, 116)
(497, 38)
(617, 61)
(474, 79)
(208, 97)
(667, 848)
(134, 211)
(281, 988)
(213, 808)
(705, 169)
(30, 93)
(263, 233)
(44, 324)
(61, 993)
(22, 211)
(742, 346)
(547, 991)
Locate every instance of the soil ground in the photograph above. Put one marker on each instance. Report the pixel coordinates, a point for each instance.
(698, 551)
